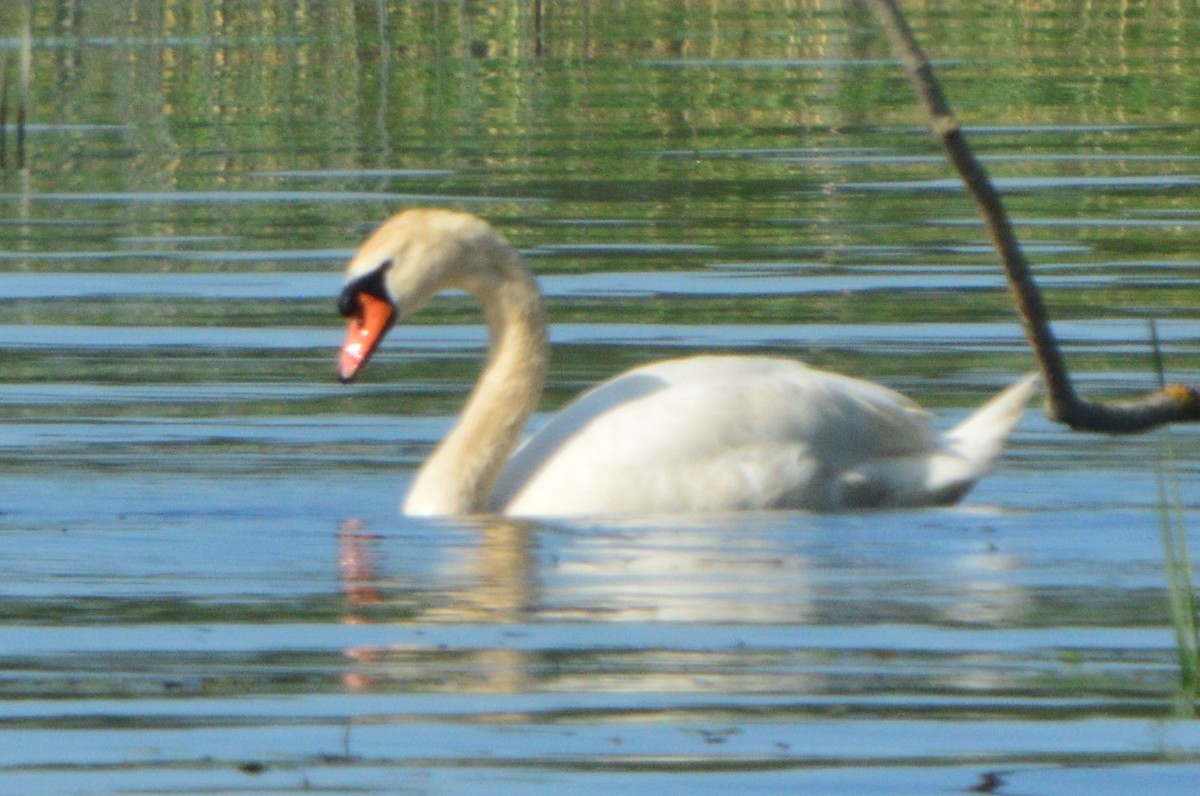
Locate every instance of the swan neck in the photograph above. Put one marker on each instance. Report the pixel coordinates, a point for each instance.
(460, 475)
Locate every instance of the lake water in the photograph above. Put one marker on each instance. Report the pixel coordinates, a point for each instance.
(205, 586)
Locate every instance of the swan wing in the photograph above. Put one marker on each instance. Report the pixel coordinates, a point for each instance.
(710, 434)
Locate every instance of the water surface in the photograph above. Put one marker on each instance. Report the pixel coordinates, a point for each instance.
(206, 586)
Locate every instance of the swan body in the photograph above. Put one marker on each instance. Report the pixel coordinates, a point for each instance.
(698, 434)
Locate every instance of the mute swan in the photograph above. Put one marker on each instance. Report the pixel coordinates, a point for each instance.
(699, 434)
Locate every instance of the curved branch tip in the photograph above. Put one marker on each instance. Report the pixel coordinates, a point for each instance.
(1186, 398)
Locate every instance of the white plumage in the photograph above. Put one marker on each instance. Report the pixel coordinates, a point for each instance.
(701, 434)
(721, 433)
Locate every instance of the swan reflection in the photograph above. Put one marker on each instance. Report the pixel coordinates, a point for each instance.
(823, 581)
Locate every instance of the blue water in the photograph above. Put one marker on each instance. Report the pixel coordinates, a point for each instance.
(206, 586)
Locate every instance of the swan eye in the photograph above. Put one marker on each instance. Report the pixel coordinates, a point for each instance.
(371, 283)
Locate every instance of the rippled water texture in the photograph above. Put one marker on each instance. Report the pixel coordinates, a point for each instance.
(205, 586)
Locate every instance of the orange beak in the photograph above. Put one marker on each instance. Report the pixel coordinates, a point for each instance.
(366, 329)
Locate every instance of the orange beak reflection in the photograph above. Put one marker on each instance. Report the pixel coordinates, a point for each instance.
(366, 329)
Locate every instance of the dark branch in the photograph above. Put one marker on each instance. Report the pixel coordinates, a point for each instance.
(1172, 404)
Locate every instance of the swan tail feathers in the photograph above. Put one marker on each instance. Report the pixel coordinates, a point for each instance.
(980, 438)
(968, 453)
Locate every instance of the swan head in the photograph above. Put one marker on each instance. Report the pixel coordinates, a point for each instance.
(404, 263)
